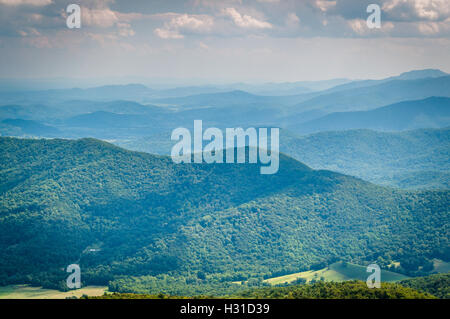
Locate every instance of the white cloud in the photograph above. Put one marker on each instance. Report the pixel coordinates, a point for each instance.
(431, 28)
(103, 18)
(325, 5)
(194, 23)
(125, 30)
(292, 20)
(168, 34)
(106, 18)
(37, 3)
(359, 26)
(431, 10)
(185, 23)
(246, 21)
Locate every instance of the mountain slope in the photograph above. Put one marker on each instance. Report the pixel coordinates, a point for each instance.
(437, 285)
(411, 159)
(187, 228)
(415, 159)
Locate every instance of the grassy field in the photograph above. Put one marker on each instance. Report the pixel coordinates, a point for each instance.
(28, 292)
(441, 266)
(336, 272)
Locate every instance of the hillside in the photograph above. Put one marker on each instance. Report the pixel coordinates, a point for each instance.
(411, 159)
(416, 159)
(339, 271)
(437, 285)
(194, 229)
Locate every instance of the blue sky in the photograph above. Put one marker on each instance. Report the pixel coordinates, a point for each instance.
(222, 41)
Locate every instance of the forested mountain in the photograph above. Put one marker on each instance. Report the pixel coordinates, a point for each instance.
(189, 229)
(140, 223)
(411, 159)
(405, 160)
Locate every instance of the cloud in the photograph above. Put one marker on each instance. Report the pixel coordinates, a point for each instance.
(417, 10)
(37, 3)
(246, 21)
(203, 46)
(103, 18)
(125, 30)
(225, 19)
(168, 34)
(431, 28)
(185, 23)
(292, 20)
(325, 5)
(39, 42)
(193, 23)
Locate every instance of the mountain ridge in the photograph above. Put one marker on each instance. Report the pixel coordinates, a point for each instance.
(152, 219)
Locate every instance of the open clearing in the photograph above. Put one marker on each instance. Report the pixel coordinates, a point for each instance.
(28, 292)
(441, 266)
(336, 272)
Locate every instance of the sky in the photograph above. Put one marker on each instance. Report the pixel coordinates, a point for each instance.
(212, 41)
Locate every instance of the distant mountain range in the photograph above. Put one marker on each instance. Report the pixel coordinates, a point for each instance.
(30, 127)
(143, 94)
(368, 97)
(433, 112)
(412, 100)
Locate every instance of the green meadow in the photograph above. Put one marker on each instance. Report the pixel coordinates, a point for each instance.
(336, 272)
(28, 292)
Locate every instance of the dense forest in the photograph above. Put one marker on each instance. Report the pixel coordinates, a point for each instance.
(436, 284)
(140, 223)
(318, 290)
(333, 290)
